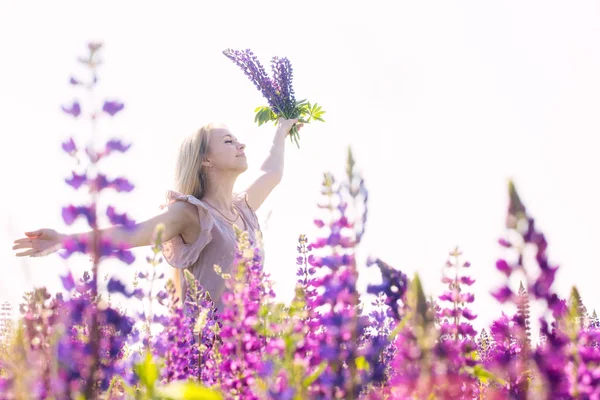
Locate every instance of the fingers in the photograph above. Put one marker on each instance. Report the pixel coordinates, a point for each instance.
(22, 245)
(29, 252)
(291, 121)
(22, 240)
(34, 233)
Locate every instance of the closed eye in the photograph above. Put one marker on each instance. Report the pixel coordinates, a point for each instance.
(229, 141)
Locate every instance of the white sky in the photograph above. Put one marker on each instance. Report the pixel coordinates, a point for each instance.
(441, 101)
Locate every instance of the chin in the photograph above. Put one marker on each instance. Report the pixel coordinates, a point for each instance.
(242, 167)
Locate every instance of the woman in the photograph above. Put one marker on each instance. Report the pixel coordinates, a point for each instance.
(199, 217)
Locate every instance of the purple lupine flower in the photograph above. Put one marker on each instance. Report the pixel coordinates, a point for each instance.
(117, 145)
(247, 293)
(305, 273)
(95, 337)
(467, 280)
(113, 145)
(182, 354)
(552, 361)
(69, 146)
(76, 180)
(112, 107)
(119, 219)
(116, 286)
(282, 81)
(503, 294)
(106, 249)
(502, 266)
(394, 285)
(504, 243)
(333, 317)
(468, 314)
(70, 214)
(74, 245)
(456, 340)
(277, 90)
(557, 305)
(121, 185)
(68, 281)
(249, 63)
(44, 317)
(121, 252)
(74, 109)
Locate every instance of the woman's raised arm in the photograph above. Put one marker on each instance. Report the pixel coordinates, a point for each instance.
(272, 167)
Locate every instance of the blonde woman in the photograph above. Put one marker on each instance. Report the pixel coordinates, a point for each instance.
(200, 211)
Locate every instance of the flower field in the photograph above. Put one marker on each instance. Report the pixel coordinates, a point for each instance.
(323, 345)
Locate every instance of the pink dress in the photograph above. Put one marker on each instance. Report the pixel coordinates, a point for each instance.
(216, 244)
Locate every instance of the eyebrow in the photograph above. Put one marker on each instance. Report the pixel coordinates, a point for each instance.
(227, 134)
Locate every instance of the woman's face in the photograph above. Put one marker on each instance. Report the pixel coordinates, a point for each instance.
(225, 152)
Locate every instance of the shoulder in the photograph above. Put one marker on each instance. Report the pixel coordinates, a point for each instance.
(185, 205)
(183, 209)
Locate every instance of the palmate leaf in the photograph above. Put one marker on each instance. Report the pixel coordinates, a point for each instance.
(264, 114)
(313, 112)
(316, 112)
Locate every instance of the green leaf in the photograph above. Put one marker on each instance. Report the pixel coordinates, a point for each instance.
(191, 280)
(316, 373)
(484, 375)
(264, 114)
(419, 302)
(361, 363)
(187, 391)
(147, 371)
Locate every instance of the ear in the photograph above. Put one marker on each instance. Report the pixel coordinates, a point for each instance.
(206, 163)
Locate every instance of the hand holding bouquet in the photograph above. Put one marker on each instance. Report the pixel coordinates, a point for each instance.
(277, 90)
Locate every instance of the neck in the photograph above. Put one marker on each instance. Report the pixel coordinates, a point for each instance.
(219, 190)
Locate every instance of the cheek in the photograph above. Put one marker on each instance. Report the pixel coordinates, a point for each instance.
(223, 155)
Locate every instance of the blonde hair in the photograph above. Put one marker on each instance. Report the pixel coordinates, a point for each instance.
(190, 174)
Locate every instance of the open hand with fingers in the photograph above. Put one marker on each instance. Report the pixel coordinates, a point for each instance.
(38, 243)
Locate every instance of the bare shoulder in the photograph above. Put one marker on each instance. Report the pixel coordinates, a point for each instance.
(183, 211)
(184, 217)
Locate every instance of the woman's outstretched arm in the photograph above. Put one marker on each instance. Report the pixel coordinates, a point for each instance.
(179, 219)
(272, 167)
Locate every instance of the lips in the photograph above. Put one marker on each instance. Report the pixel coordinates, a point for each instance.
(241, 155)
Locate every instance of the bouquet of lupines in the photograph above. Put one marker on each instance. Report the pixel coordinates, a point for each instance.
(277, 89)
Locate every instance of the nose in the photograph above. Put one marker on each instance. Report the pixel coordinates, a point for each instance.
(241, 146)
